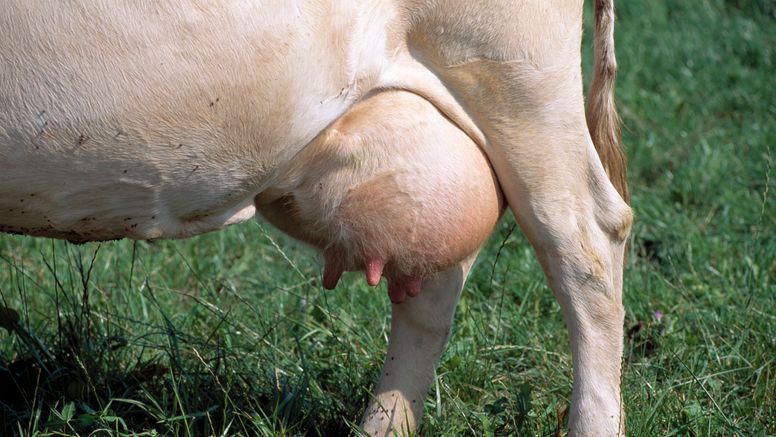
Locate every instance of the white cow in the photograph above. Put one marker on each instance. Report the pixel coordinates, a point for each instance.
(167, 119)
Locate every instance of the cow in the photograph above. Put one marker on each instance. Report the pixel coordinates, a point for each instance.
(151, 120)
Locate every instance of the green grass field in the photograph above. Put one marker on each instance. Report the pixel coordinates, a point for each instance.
(231, 333)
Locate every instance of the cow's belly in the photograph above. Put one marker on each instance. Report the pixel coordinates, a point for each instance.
(129, 201)
(149, 122)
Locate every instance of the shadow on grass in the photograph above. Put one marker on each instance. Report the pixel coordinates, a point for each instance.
(83, 378)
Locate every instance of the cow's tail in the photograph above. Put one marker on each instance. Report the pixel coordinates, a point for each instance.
(602, 118)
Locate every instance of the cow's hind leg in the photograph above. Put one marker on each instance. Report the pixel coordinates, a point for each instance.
(419, 330)
(579, 239)
(578, 224)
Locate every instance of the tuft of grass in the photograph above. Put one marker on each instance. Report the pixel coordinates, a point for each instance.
(231, 334)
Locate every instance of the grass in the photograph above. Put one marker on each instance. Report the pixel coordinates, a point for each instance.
(230, 333)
